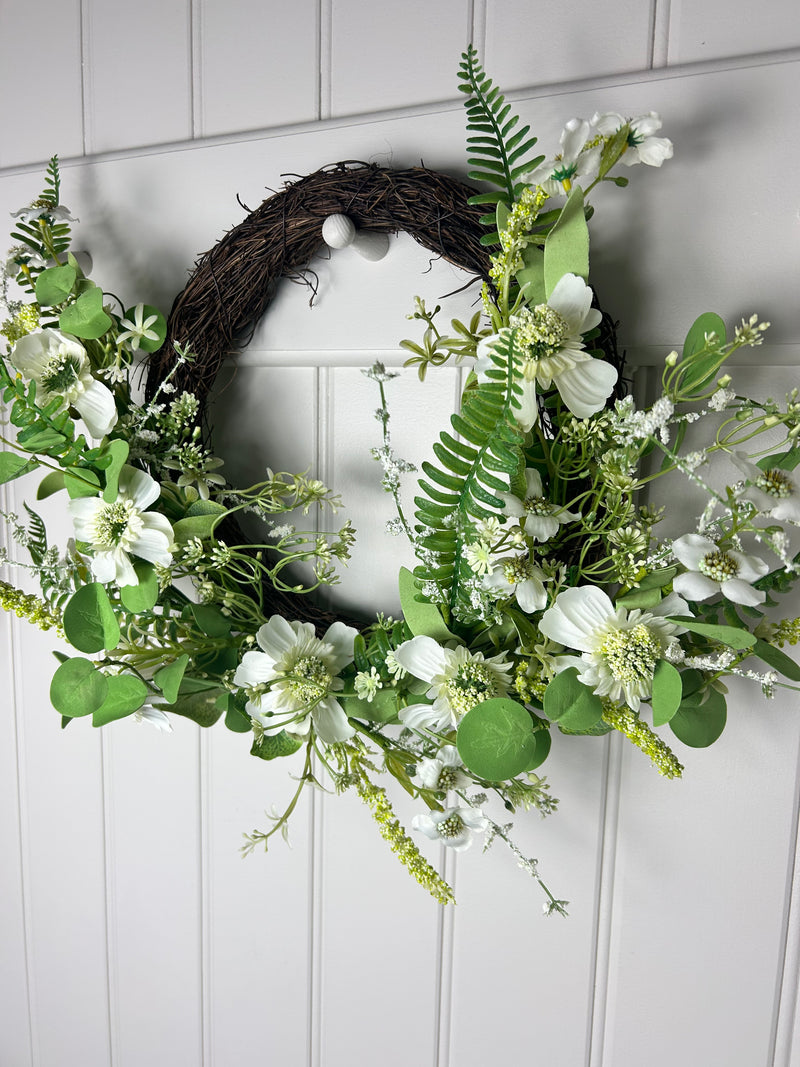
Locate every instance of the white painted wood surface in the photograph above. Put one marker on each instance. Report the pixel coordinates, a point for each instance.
(132, 932)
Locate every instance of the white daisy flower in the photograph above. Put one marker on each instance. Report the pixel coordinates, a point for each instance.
(39, 208)
(774, 492)
(619, 649)
(458, 680)
(550, 337)
(519, 577)
(539, 518)
(642, 147)
(579, 158)
(711, 570)
(290, 683)
(454, 827)
(60, 366)
(444, 772)
(124, 528)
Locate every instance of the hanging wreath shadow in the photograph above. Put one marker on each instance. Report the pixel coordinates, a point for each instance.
(234, 283)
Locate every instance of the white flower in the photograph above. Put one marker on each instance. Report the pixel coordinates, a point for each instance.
(519, 577)
(550, 337)
(712, 570)
(620, 649)
(540, 518)
(453, 826)
(155, 716)
(60, 367)
(642, 146)
(123, 528)
(444, 772)
(579, 158)
(139, 330)
(458, 680)
(291, 682)
(39, 208)
(773, 491)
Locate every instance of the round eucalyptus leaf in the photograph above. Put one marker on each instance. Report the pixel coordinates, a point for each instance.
(89, 620)
(126, 694)
(699, 725)
(77, 688)
(496, 739)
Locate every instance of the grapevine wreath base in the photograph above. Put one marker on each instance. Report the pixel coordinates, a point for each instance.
(234, 283)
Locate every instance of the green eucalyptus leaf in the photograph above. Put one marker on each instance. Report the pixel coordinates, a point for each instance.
(543, 742)
(570, 703)
(667, 692)
(776, 659)
(496, 739)
(169, 678)
(90, 624)
(77, 688)
(273, 746)
(54, 285)
(699, 725)
(210, 620)
(566, 248)
(200, 707)
(382, 707)
(144, 596)
(200, 526)
(236, 718)
(86, 317)
(422, 618)
(118, 451)
(13, 466)
(731, 636)
(51, 483)
(80, 481)
(700, 373)
(126, 694)
(531, 277)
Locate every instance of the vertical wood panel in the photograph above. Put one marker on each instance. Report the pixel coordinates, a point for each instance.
(386, 55)
(153, 843)
(713, 29)
(138, 73)
(16, 1038)
(258, 64)
(42, 104)
(258, 911)
(562, 43)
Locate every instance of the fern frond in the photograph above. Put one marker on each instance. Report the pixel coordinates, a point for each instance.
(495, 154)
(473, 468)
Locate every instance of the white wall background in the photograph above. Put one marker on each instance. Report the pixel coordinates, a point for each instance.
(131, 932)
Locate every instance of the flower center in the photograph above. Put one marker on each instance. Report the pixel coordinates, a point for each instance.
(516, 570)
(447, 779)
(564, 172)
(537, 505)
(776, 483)
(472, 684)
(543, 330)
(117, 525)
(60, 373)
(452, 826)
(310, 679)
(719, 566)
(632, 654)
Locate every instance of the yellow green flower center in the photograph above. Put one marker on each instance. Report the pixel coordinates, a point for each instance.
(452, 826)
(631, 655)
(516, 570)
(116, 525)
(310, 679)
(537, 505)
(775, 482)
(472, 684)
(447, 779)
(719, 566)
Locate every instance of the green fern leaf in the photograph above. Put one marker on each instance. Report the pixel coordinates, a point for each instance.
(494, 154)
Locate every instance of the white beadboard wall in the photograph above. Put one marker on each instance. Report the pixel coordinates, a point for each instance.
(131, 931)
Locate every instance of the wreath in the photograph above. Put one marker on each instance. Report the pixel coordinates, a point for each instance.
(543, 597)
